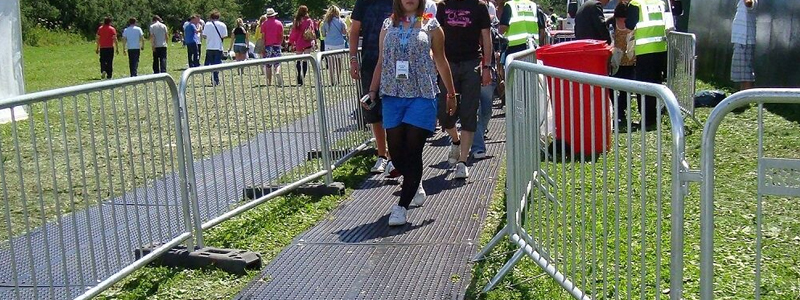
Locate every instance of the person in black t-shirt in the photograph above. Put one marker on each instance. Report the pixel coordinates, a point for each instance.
(466, 25)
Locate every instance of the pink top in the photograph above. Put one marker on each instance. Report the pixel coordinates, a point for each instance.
(296, 36)
(272, 30)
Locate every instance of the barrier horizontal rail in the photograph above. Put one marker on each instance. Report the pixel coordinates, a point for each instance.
(587, 199)
(768, 217)
(91, 175)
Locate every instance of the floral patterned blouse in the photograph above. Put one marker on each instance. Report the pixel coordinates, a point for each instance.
(421, 82)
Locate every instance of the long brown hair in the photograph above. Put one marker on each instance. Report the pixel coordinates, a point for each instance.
(302, 12)
(398, 14)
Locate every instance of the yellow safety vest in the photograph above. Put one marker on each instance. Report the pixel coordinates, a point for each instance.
(651, 31)
(523, 23)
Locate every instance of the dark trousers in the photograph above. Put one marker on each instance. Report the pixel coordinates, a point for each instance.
(651, 68)
(160, 60)
(214, 57)
(133, 61)
(624, 72)
(107, 61)
(193, 53)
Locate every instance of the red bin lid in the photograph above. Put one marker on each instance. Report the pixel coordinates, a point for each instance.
(575, 46)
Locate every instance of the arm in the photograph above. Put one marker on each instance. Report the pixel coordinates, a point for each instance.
(124, 40)
(444, 69)
(97, 49)
(152, 40)
(599, 25)
(355, 31)
(141, 41)
(376, 75)
(486, 61)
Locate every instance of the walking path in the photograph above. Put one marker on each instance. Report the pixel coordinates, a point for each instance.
(353, 254)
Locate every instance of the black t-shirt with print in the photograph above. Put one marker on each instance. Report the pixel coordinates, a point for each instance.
(462, 22)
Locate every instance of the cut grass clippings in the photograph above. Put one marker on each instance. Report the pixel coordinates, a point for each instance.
(735, 217)
(266, 229)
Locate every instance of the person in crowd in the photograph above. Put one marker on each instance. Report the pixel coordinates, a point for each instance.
(590, 23)
(623, 40)
(198, 35)
(158, 42)
(134, 44)
(405, 78)
(469, 21)
(320, 35)
(106, 47)
(335, 30)
(240, 41)
(272, 31)
(478, 149)
(302, 39)
(177, 37)
(191, 42)
(367, 20)
(553, 17)
(215, 32)
(258, 37)
(743, 38)
(517, 25)
(646, 17)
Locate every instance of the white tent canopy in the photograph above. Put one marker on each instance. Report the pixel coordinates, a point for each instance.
(11, 80)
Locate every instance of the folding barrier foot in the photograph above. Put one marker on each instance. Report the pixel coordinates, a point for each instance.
(311, 189)
(493, 242)
(229, 260)
(504, 270)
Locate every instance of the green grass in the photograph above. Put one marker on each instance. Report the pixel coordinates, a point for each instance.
(266, 229)
(579, 241)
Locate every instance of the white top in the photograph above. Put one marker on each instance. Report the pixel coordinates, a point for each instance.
(199, 31)
(132, 35)
(214, 39)
(159, 33)
(743, 29)
(430, 7)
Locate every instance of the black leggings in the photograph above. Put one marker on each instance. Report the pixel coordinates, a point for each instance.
(405, 144)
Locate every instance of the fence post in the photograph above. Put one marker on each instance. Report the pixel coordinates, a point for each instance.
(188, 184)
(324, 139)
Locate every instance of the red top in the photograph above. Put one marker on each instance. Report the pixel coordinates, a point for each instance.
(272, 30)
(296, 36)
(107, 33)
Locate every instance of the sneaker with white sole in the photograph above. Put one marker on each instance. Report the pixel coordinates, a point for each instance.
(419, 197)
(398, 216)
(391, 171)
(480, 154)
(461, 171)
(380, 166)
(454, 154)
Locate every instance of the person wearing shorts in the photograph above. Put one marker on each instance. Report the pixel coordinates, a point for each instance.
(240, 40)
(272, 33)
(334, 30)
(468, 20)
(300, 41)
(743, 38)
(405, 77)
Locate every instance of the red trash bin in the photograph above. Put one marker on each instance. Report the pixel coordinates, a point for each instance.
(589, 56)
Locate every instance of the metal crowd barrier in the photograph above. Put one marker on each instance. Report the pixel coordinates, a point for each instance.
(587, 201)
(768, 224)
(681, 59)
(95, 172)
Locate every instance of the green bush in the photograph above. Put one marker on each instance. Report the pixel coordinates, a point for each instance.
(39, 36)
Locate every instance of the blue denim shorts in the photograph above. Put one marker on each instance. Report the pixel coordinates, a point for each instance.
(419, 112)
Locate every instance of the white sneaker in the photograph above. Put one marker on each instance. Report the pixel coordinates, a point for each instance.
(398, 216)
(380, 166)
(479, 154)
(419, 198)
(391, 171)
(454, 154)
(461, 171)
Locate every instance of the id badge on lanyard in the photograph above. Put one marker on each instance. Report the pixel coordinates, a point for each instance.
(402, 67)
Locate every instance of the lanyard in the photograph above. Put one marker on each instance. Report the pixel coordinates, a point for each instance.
(406, 35)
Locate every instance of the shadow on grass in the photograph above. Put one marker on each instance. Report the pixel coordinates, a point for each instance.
(790, 112)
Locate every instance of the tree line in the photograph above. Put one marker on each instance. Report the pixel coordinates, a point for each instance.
(84, 16)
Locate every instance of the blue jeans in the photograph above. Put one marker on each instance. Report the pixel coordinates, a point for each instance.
(214, 57)
(484, 115)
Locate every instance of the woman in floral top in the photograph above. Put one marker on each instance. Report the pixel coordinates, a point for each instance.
(406, 80)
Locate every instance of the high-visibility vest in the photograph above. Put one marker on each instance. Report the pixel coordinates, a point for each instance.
(651, 31)
(523, 23)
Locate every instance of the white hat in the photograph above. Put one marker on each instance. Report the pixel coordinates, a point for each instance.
(271, 12)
